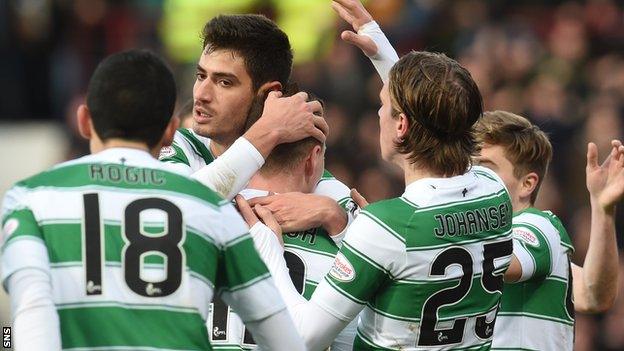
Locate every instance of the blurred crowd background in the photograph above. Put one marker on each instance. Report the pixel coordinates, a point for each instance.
(559, 63)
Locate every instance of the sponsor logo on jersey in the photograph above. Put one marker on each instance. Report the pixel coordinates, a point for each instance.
(342, 269)
(9, 227)
(166, 151)
(526, 236)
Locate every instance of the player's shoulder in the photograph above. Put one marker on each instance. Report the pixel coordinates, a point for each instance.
(329, 186)
(393, 214)
(194, 144)
(531, 223)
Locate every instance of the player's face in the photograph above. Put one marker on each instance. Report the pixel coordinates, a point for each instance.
(493, 157)
(222, 95)
(387, 126)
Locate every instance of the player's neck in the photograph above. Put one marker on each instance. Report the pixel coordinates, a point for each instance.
(98, 146)
(414, 173)
(218, 147)
(520, 204)
(277, 183)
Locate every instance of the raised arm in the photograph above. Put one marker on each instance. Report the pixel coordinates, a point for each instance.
(367, 36)
(596, 283)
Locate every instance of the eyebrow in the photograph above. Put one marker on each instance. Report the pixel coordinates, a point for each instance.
(231, 76)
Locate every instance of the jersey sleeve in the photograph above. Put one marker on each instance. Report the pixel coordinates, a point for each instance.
(364, 263)
(22, 239)
(242, 277)
(531, 248)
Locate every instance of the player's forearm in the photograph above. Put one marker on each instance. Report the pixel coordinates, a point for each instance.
(386, 56)
(228, 174)
(600, 268)
(276, 332)
(35, 320)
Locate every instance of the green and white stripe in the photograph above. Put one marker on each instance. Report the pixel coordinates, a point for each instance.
(533, 314)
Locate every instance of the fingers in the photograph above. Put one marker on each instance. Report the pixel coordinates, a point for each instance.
(261, 200)
(592, 156)
(342, 12)
(315, 107)
(363, 42)
(348, 4)
(246, 211)
(358, 198)
(267, 218)
(274, 94)
(301, 95)
(321, 128)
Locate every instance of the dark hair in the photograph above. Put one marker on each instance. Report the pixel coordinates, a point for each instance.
(131, 96)
(526, 146)
(442, 102)
(264, 47)
(287, 156)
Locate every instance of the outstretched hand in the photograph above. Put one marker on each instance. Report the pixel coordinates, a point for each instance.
(605, 182)
(354, 13)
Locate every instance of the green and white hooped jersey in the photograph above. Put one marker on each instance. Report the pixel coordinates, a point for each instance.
(309, 254)
(427, 267)
(134, 253)
(537, 313)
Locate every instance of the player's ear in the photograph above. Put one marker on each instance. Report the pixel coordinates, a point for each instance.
(402, 126)
(269, 86)
(169, 133)
(85, 125)
(529, 184)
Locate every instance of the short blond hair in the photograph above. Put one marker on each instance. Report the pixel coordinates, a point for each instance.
(526, 146)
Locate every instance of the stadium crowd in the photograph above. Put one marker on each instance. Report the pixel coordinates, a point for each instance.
(559, 63)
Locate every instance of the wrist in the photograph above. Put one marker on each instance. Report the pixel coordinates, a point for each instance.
(263, 139)
(600, 207)
(333, 218)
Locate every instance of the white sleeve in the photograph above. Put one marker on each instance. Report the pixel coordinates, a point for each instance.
(272, 253)
(35, 320)
(386, 56)
(230, 172)
(317, 325)
(276, 332)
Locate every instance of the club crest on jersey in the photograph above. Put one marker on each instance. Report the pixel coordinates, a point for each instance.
(342, 269)
(9, 227)
(166, 151)
(526, 236)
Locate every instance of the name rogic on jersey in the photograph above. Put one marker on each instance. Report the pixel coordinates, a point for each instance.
(134, 253)
(427, 267)
(537, 313)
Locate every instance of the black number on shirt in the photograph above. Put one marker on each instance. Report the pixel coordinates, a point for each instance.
(569, 299)
(139, 244)
(296, 270)
(493, 283)
(92, 244)
(429, 335)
